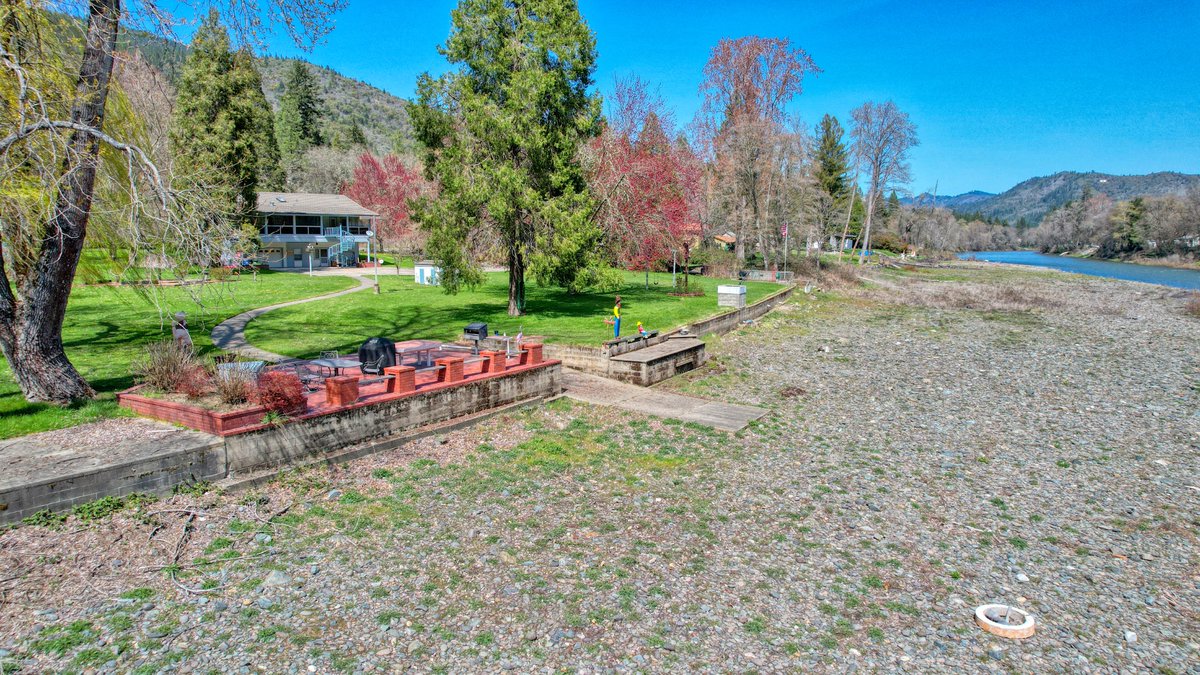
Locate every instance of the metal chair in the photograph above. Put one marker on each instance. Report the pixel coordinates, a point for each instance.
(311, 381)
(328, 355)
(375, 367)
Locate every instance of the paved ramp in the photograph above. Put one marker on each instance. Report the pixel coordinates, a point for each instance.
(603, 391)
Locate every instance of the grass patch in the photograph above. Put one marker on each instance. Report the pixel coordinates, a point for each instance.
(106, 325)
(405, 310)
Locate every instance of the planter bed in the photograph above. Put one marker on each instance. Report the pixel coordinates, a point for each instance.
(192, 416)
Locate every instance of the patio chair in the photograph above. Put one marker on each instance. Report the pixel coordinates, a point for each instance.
(328, 355)
(375, 367)
(311, 381)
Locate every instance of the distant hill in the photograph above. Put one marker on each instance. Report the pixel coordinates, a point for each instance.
(964, 202)
(1035, 197)
(381, 116)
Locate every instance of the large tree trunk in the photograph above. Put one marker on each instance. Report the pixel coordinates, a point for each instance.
(31, 328)
(516, 281)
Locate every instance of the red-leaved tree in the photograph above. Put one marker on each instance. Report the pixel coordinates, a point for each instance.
(386, 185)
(648, 187)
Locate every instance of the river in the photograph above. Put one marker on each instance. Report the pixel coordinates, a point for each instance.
(1151, 274)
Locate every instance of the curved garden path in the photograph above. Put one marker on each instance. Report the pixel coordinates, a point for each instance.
(230, 334)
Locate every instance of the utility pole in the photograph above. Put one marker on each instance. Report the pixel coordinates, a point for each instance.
(371, 235)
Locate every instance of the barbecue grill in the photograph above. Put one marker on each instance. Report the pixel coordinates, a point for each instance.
(376, 354)
(475, 332)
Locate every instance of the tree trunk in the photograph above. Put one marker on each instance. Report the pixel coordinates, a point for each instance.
(866, 233)
(31, 330)
(516, 281)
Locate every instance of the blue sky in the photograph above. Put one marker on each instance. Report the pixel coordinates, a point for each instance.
(999, 91)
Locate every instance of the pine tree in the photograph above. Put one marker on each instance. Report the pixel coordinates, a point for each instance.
(501, 136)
(221, 126)
(832, 163)
(298, 124)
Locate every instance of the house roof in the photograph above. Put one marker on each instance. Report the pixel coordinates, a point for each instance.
(308, 203)
(726, 238)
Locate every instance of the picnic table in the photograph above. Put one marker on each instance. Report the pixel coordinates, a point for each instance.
(336, 365)
(422, 351)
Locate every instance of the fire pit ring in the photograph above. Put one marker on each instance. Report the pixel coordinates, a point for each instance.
(1005, 621)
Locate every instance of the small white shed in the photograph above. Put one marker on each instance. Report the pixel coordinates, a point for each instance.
(427, 274)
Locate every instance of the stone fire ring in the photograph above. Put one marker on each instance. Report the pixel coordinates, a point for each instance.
(1005, 621)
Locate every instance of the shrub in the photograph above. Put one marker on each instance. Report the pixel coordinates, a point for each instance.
(195, 382)
(163, 365)
(281, 391)
(219, 273)
(683, 284)
(233, 388)
(887, 241)
(1193, 305)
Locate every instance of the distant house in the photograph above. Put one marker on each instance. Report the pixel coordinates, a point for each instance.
(297, 226)
(726, 241)
(847, 242)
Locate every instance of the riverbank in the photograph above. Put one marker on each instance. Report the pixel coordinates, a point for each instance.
(1166, 276)
(937, 439)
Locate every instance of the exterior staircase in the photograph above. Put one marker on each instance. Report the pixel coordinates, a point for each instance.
(345, 251)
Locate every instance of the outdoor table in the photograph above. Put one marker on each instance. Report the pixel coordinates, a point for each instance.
(252, 368)
(336, 365)
(421, 349)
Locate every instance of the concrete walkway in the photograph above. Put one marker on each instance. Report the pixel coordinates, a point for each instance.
(603, 391)
(230, 334)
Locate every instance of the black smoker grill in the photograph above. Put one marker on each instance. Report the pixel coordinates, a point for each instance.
(376, 354)
(475, 332)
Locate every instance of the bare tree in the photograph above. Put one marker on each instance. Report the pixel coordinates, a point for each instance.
(883, 135)
(58, 141)
(747, 84)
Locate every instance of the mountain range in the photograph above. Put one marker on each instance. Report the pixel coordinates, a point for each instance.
(1034, 198)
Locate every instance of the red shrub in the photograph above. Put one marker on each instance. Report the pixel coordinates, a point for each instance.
(194, 382)
(281, 391)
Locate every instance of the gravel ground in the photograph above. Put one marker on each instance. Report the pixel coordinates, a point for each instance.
(937, 441)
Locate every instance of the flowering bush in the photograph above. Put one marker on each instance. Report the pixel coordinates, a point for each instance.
(281, 391)
(194, 382)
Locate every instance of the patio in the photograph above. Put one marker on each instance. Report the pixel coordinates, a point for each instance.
(335, 383)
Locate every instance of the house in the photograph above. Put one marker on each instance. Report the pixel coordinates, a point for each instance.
(726, 241)
(847, 242)
(297, 226)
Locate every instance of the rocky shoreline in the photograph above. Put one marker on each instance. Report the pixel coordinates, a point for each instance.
(938, 439)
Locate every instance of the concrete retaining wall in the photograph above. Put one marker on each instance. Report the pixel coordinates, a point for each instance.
(727, 322)
(160, 470)
(314, 436)
(597, 361)
(156, 474)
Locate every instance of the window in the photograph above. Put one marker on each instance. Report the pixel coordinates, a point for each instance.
(277, 225)
(308, 224)
(358, 227)
(298, 255)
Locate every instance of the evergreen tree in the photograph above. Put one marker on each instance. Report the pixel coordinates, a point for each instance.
(832, 163)
(298, 125)
(501, 135)
(221, 126)
(893, 205)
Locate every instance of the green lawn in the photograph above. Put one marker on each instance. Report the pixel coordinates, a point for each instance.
(389, 259)
(105, 327)
(405, 310)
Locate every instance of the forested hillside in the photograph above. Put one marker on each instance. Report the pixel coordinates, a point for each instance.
(381, 116)
(1034, 198)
